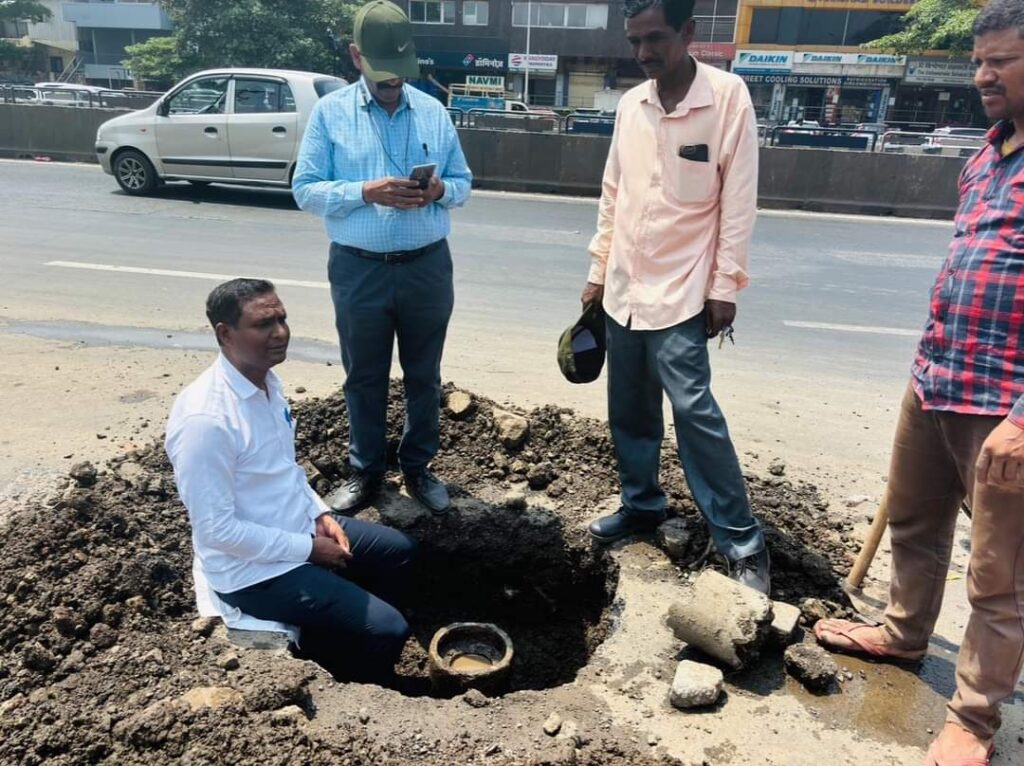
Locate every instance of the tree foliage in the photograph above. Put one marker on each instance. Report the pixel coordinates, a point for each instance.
(299, 34)
(933, 25)
(155, 61)
(23, 10)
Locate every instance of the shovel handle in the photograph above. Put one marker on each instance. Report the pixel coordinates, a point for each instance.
(869, 549)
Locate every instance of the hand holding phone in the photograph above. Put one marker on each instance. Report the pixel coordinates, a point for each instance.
(422, 174)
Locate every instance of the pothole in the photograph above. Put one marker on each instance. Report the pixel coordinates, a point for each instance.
(520, 570)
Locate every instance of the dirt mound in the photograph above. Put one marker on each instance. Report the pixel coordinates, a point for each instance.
(100, 661)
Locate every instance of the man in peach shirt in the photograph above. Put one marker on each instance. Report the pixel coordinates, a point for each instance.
(677, 213)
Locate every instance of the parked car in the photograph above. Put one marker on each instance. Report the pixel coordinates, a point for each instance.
(233, 126)
(957, 137)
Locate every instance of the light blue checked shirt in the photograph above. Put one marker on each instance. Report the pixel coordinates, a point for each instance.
(351, 139)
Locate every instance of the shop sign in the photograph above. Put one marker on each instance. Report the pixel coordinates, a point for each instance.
(713, 51)
(763, 61)
(538, 62)
(465, 61)
(816, 80)
(922, 71)
(849, 59)
(491, 82)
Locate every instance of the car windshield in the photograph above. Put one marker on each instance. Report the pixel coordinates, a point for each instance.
(325, 85)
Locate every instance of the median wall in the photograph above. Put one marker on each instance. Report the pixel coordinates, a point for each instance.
(63, 133)
(820, 180)
(807, 179)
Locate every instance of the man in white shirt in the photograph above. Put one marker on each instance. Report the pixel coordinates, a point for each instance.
(264, 542)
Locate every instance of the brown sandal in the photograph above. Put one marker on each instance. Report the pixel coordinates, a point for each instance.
(873, 649)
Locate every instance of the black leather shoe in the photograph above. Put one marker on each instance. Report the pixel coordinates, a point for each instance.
(357, 493)
(623, 523)
(754, 572)
(429, 490)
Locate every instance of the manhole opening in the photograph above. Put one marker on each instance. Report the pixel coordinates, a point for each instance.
(550, 591)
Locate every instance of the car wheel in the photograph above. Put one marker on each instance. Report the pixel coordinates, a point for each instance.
(134, 172)
(200, 184)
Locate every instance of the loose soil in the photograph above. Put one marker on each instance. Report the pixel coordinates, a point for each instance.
(96, 606)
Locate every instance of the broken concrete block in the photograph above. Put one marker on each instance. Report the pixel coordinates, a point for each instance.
(460, 404)
(812, 666)
(553, 725)
(695, 685)
(722, 618)
(84, 474)
(203, 626)
(514, 500)
(512, 429)
(785, 622)
(213, 697)
(674, 538)
(288, 716)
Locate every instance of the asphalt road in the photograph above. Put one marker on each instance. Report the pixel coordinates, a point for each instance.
(837, 296)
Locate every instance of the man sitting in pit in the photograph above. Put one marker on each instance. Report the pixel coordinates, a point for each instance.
(265, 544)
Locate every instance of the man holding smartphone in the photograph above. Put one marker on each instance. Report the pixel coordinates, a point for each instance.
(382, 164)
(676, 218)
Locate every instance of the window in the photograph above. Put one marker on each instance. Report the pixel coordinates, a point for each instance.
(325, 85)
(561, 15)
(432, 11)
(205, 96)
(262, 96)
(475, 13)
(13, 29)
(805, 26)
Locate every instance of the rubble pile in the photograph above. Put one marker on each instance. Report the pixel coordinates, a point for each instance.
(102, 660)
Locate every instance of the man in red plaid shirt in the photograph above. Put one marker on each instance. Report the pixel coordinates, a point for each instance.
(961, 429)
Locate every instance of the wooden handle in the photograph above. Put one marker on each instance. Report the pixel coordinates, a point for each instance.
(870, 548)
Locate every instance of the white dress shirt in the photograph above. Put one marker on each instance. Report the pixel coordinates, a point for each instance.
(251, 508)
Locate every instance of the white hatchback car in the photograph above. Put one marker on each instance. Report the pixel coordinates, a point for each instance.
(234, 126)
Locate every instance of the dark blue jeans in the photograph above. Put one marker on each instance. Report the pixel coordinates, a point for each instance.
(345, 621)
(643, 367)
(375, 303)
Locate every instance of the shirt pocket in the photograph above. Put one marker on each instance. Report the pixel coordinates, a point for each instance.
(690, 181)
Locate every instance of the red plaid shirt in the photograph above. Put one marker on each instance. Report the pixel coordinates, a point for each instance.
(971, 357)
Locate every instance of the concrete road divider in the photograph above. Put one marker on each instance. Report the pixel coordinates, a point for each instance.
(508, 160)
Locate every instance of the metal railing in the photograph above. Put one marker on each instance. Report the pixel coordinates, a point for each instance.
(824, 138)
(906, 142)
(129, 100)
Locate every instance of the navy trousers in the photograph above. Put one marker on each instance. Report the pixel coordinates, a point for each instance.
(643, 367)
(376, 302)
(346, 621)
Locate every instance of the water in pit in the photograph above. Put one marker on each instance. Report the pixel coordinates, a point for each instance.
(470, 663)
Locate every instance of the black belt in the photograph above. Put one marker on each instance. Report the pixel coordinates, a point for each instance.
(396, 256)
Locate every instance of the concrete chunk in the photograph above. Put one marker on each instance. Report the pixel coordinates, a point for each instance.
(695, 685)
(785, 622)
(512, 429)
(674, 538)
(812, 666)
(722, 618)
(460, 405)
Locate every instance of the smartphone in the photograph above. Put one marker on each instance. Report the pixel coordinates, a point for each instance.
(423, 174)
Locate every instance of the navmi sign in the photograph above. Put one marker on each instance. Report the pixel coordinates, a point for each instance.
(763, 61)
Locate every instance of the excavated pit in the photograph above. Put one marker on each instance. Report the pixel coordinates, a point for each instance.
(519, 569)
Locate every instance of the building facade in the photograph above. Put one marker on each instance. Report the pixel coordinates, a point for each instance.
(565, 54)
(85, 41)
(804, 60)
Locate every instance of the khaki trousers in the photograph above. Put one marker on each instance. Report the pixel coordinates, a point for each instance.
(932, 472)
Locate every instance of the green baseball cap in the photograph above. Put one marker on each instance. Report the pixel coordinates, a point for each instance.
(383, 34)
(582, 347)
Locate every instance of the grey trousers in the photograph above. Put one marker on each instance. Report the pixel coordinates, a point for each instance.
(374, 303)
(643, 367)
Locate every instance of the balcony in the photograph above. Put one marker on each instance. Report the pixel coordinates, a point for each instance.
(117, 15)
